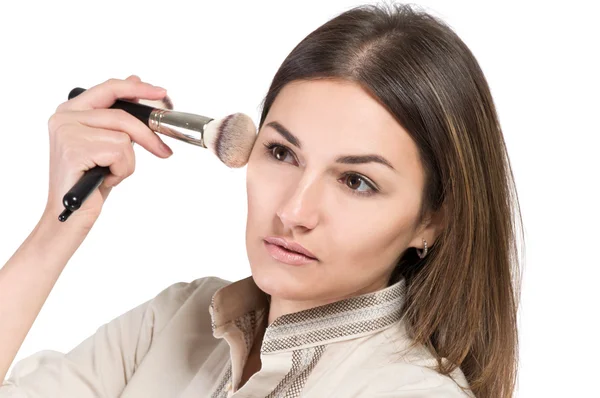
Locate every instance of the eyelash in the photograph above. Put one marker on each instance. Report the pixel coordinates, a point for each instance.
(270, 145)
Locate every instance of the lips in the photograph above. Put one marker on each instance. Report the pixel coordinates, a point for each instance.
(290, 245)
(286, 256)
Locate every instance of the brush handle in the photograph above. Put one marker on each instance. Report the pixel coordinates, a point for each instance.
(140, 111)
(93, 177)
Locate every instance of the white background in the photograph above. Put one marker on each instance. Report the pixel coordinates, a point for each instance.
(184, 217)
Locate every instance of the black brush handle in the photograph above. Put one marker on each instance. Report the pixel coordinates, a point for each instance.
(93, 177)
(140, 111)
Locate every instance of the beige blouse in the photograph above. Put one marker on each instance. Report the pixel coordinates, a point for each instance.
(192, 341)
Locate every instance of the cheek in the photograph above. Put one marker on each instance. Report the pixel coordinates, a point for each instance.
(373, 240)
(261, 193)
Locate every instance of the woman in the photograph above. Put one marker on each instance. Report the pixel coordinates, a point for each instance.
(379, 154)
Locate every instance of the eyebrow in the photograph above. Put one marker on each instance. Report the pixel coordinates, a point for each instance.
(345, 159)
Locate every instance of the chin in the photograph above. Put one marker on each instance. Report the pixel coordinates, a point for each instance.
(281, 280)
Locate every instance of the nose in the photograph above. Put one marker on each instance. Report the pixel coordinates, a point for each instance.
(301, 209)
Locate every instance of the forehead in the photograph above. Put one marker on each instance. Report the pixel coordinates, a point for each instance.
(334, 117)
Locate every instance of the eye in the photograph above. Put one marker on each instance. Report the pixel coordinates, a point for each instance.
(359, 180)
(276, 151)
(279, 151)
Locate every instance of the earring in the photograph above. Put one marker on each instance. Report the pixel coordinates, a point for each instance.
(424, 253)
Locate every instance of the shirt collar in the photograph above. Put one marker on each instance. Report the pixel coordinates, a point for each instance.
(243, 304)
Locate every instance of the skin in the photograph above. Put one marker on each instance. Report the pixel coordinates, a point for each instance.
(306, 197)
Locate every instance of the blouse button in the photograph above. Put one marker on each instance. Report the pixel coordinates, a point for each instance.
(229, 386)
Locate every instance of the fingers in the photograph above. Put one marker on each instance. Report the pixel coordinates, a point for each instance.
(85, 133)
(101, 147)
(105, 94)
(134, 78)
(116, 120)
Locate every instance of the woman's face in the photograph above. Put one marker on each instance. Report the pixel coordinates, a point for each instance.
(301, 193)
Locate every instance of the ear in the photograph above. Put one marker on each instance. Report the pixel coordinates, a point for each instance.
(429, 229)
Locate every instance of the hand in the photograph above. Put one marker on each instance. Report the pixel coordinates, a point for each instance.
(84, 133)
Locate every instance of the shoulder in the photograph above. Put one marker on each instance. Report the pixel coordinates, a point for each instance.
(118, 347)
(198, 292)
(179, 291)
(182, 299)
(419, 378)
(414, 369)
(423, 381)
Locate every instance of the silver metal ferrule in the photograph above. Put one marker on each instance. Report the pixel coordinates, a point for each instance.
(183, 126)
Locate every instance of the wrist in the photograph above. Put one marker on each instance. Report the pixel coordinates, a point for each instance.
(54, 238)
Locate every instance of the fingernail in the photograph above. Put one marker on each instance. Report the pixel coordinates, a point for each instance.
(160, 88)
(165, 149)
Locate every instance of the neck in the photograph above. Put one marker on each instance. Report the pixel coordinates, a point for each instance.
(279, 307)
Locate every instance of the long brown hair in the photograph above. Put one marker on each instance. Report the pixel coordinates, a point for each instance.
(462, 298)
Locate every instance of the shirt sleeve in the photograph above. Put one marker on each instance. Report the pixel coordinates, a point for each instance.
(102, 364)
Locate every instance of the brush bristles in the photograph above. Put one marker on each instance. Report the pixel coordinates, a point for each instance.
(231, 138)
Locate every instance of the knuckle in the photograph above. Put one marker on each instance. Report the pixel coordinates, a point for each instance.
(127, 172)
(123, 119)
(130, 154)
(122, 116)
(124, 139)
(61, 107)
(132, 165)
(116, 171)
(53, 122)
(70, 154)
(57, 129)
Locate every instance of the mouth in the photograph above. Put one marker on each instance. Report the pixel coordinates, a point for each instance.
(289, 245)
(286, 256)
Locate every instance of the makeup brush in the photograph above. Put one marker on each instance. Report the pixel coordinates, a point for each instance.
(230, 138)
